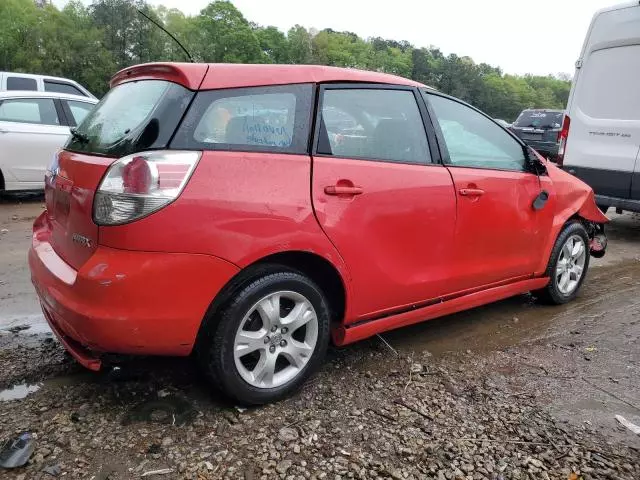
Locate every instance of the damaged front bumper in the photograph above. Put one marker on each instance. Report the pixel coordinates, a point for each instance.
(597, 239)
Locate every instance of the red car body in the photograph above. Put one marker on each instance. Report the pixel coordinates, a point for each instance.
(414, 245)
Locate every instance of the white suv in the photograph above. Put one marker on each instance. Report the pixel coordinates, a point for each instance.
(41, 83)
(33, 126)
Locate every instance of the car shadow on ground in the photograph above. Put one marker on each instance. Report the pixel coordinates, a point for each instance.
(21, 197)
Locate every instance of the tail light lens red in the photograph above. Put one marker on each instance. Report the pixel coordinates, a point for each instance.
(138, 176)
(140, 184)
(562, 138)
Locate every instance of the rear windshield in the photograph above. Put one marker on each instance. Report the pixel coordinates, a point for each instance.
(539, 119)
(132, 117)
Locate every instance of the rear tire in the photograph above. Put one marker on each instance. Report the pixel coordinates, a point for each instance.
(567, 266)
(268, 338)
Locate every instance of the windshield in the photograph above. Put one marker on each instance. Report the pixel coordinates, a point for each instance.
(539, 119)
(133, 116)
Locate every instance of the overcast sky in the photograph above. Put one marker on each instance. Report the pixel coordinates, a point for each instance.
(520, 36)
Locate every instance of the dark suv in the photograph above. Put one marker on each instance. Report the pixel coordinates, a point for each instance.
(540, 129)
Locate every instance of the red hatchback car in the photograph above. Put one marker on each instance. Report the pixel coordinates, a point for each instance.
(249, 213)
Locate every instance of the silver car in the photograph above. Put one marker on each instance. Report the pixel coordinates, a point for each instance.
(33, 125)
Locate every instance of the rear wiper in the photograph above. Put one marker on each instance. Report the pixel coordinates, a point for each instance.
(81, 137)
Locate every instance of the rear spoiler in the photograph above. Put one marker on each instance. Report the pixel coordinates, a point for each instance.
(189, 75)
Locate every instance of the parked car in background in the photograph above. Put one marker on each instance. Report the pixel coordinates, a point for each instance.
(184, 216)
(502, 123)
(540, 129)
(41, 83)
(601, 131)
(33, 125)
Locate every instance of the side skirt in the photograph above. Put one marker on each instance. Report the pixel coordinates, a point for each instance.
(345, 335)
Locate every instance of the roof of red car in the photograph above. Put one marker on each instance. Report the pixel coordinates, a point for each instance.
(233, 75)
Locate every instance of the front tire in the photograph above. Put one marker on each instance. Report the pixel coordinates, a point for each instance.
(268, 339)
(567, 266)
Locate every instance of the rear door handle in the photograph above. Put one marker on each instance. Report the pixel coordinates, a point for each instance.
(471, 192)
(342, 190)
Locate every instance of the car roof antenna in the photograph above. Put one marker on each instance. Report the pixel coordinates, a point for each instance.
(168, 33)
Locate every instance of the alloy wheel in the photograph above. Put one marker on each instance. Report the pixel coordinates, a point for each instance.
(276, 339)
(570, 266)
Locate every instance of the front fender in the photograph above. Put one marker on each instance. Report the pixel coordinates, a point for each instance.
(590, 211)
(573, 198)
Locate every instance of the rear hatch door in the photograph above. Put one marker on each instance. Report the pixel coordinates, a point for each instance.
(69, 201)
(135, 116)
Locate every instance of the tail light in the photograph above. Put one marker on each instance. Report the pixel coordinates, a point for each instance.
(140, 184)
(562, 139)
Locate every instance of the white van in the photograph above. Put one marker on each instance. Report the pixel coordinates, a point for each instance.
(600, 138)
(41, 83)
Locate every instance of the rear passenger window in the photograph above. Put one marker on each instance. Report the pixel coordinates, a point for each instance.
(21, 83)
(62, 87)
(373, 124)
(79, 110)
(252, 119)
(29, 110)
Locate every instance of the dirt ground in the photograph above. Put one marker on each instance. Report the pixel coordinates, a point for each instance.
(513, 390)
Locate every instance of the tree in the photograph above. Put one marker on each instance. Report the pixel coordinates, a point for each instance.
(273, 43)
(72, 47)
(224, 35)
(89, 44)
(129, 36)
(299, 45)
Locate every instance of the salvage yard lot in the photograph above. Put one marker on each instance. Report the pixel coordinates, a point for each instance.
(510, 390)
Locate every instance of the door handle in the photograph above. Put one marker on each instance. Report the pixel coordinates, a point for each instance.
(342, 190)
(471, 192)
(2, 130)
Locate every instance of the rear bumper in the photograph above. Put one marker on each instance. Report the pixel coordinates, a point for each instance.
(125, 302)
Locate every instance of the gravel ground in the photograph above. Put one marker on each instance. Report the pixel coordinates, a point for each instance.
(368, 414)
(508, 391)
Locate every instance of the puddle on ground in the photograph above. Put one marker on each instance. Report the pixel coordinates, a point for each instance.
(25, 324)
(520, 319)
(171, 409)
(18, 392)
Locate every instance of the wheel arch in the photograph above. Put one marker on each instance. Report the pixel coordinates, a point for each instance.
(2, 184)
(557, 228)
(320, 270)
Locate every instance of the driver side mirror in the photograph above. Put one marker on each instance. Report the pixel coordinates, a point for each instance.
(535, 162)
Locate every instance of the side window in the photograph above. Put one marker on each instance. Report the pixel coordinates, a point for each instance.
(373, 124)
(29, 110)
(79, 110)
(21, 83)
(620, 99)
(473, 140)
(270, 119)
(62, 87)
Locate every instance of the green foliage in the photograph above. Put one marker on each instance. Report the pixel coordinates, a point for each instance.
(89, 44)
(299, 45)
